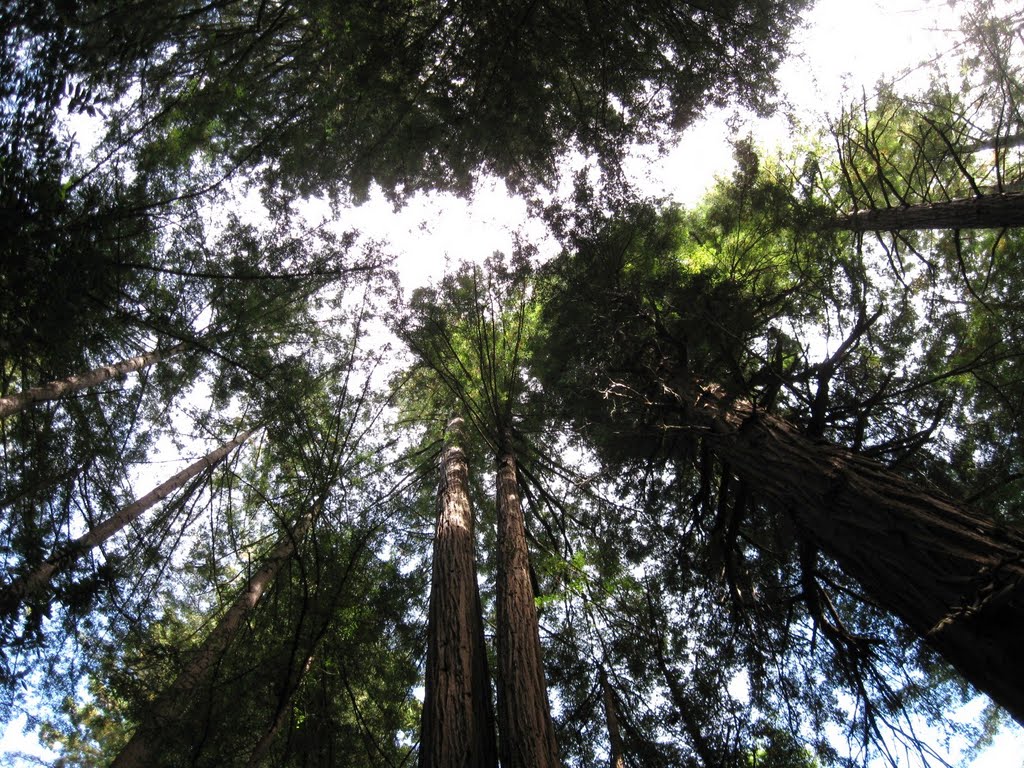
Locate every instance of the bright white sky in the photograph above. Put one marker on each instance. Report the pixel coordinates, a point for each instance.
(845, 47)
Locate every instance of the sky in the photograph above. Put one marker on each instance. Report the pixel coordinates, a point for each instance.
(843, 49)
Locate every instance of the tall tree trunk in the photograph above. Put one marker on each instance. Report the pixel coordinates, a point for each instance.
(12, 595)
(170, 706)
(56, 389)
(616, 753)
(956, 578)
(457, 726)
(524, 714)
(995, 211)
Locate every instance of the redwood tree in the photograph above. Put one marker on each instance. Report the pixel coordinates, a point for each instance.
(524, 714)
(457, 725)
(11, 594)
(626, 301)
(470, 336)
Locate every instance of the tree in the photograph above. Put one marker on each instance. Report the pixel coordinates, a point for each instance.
(941, 159)
(944, 570)
(36, 580)
(524, 714)
(458, 718)
(53, 390)
(992, 211)
(169, 707)
(470, 335)
(615, 756)
(416, 96)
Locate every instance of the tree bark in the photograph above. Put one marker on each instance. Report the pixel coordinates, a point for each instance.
(616, 753)
(995, 211)
(457, 725)
(524, 714)
(56, 389)
(36, 580)
(170, 706)
(956, 578)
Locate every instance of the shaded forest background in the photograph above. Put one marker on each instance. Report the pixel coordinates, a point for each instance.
(768, 447)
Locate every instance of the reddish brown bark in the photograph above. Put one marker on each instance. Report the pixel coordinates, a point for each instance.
(171, 704)
(37, 580)
(56, 389)
(524, 714)
(457, 725)
(956, 578)
(995, 211)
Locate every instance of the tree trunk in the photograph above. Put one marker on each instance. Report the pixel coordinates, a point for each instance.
(956, 578)
(995, 211)
(616, 758)
(457, 725)
(524, 715)
(170, 706)
(18, 589)
(994, 143)
(677, 694)
(56, 389)
(262, 748)
(295, 673)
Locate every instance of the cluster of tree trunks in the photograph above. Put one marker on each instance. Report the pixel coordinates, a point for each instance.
(457, 727)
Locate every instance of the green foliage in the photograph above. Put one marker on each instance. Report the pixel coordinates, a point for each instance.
(721, 632)
(737, 293)
(470, 336)
(417, 95)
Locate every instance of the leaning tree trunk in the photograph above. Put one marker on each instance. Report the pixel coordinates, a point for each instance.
(37, 579)
(994, 211)
(56, 389)
(168, 710)
(263, 746)
(457, 725)
(524, 714)
(956, 578)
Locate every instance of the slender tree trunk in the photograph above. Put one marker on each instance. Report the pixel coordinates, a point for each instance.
(956, 578)
(678, 696)
(995, 211)
(524, 715)
(36, 580)
(616, 753)
(262, 748)
(56, 389)
(170, 706)
(457, 726)
(296, 673)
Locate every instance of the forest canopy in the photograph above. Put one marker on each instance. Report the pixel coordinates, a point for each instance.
(735, 483)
